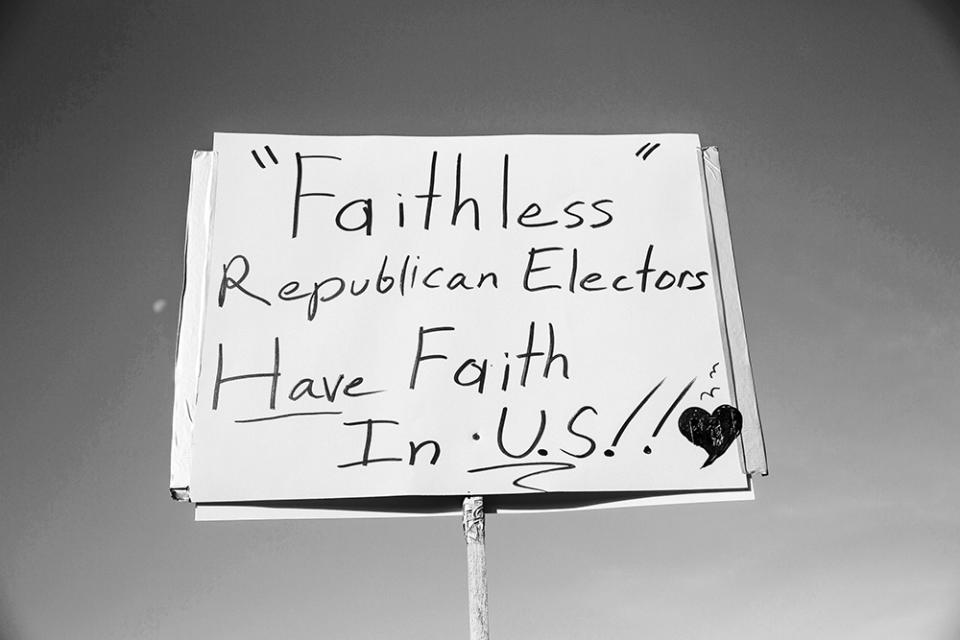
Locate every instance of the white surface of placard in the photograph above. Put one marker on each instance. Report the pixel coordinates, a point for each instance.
(324, 280)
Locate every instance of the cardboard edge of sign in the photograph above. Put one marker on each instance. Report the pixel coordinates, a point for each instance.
(200, 215)
(753, 451)
(417, 506)
(200, 209)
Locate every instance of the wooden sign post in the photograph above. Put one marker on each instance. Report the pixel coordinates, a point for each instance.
(474, 522)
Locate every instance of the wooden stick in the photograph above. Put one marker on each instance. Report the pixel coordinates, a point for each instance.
(473, 526)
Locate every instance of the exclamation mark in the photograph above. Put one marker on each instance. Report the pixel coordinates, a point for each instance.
(673, 406)
(616, 439)
(609, 452)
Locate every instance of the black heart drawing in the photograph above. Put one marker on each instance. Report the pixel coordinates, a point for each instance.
(711, 432)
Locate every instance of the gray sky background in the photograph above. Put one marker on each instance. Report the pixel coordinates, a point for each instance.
(838, 128)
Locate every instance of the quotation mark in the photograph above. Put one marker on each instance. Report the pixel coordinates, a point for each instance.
(645, 151)
(259, 161)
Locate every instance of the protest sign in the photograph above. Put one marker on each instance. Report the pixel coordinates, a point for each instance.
(376, 316)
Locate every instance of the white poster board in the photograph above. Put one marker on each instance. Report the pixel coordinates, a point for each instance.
(411, 316)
